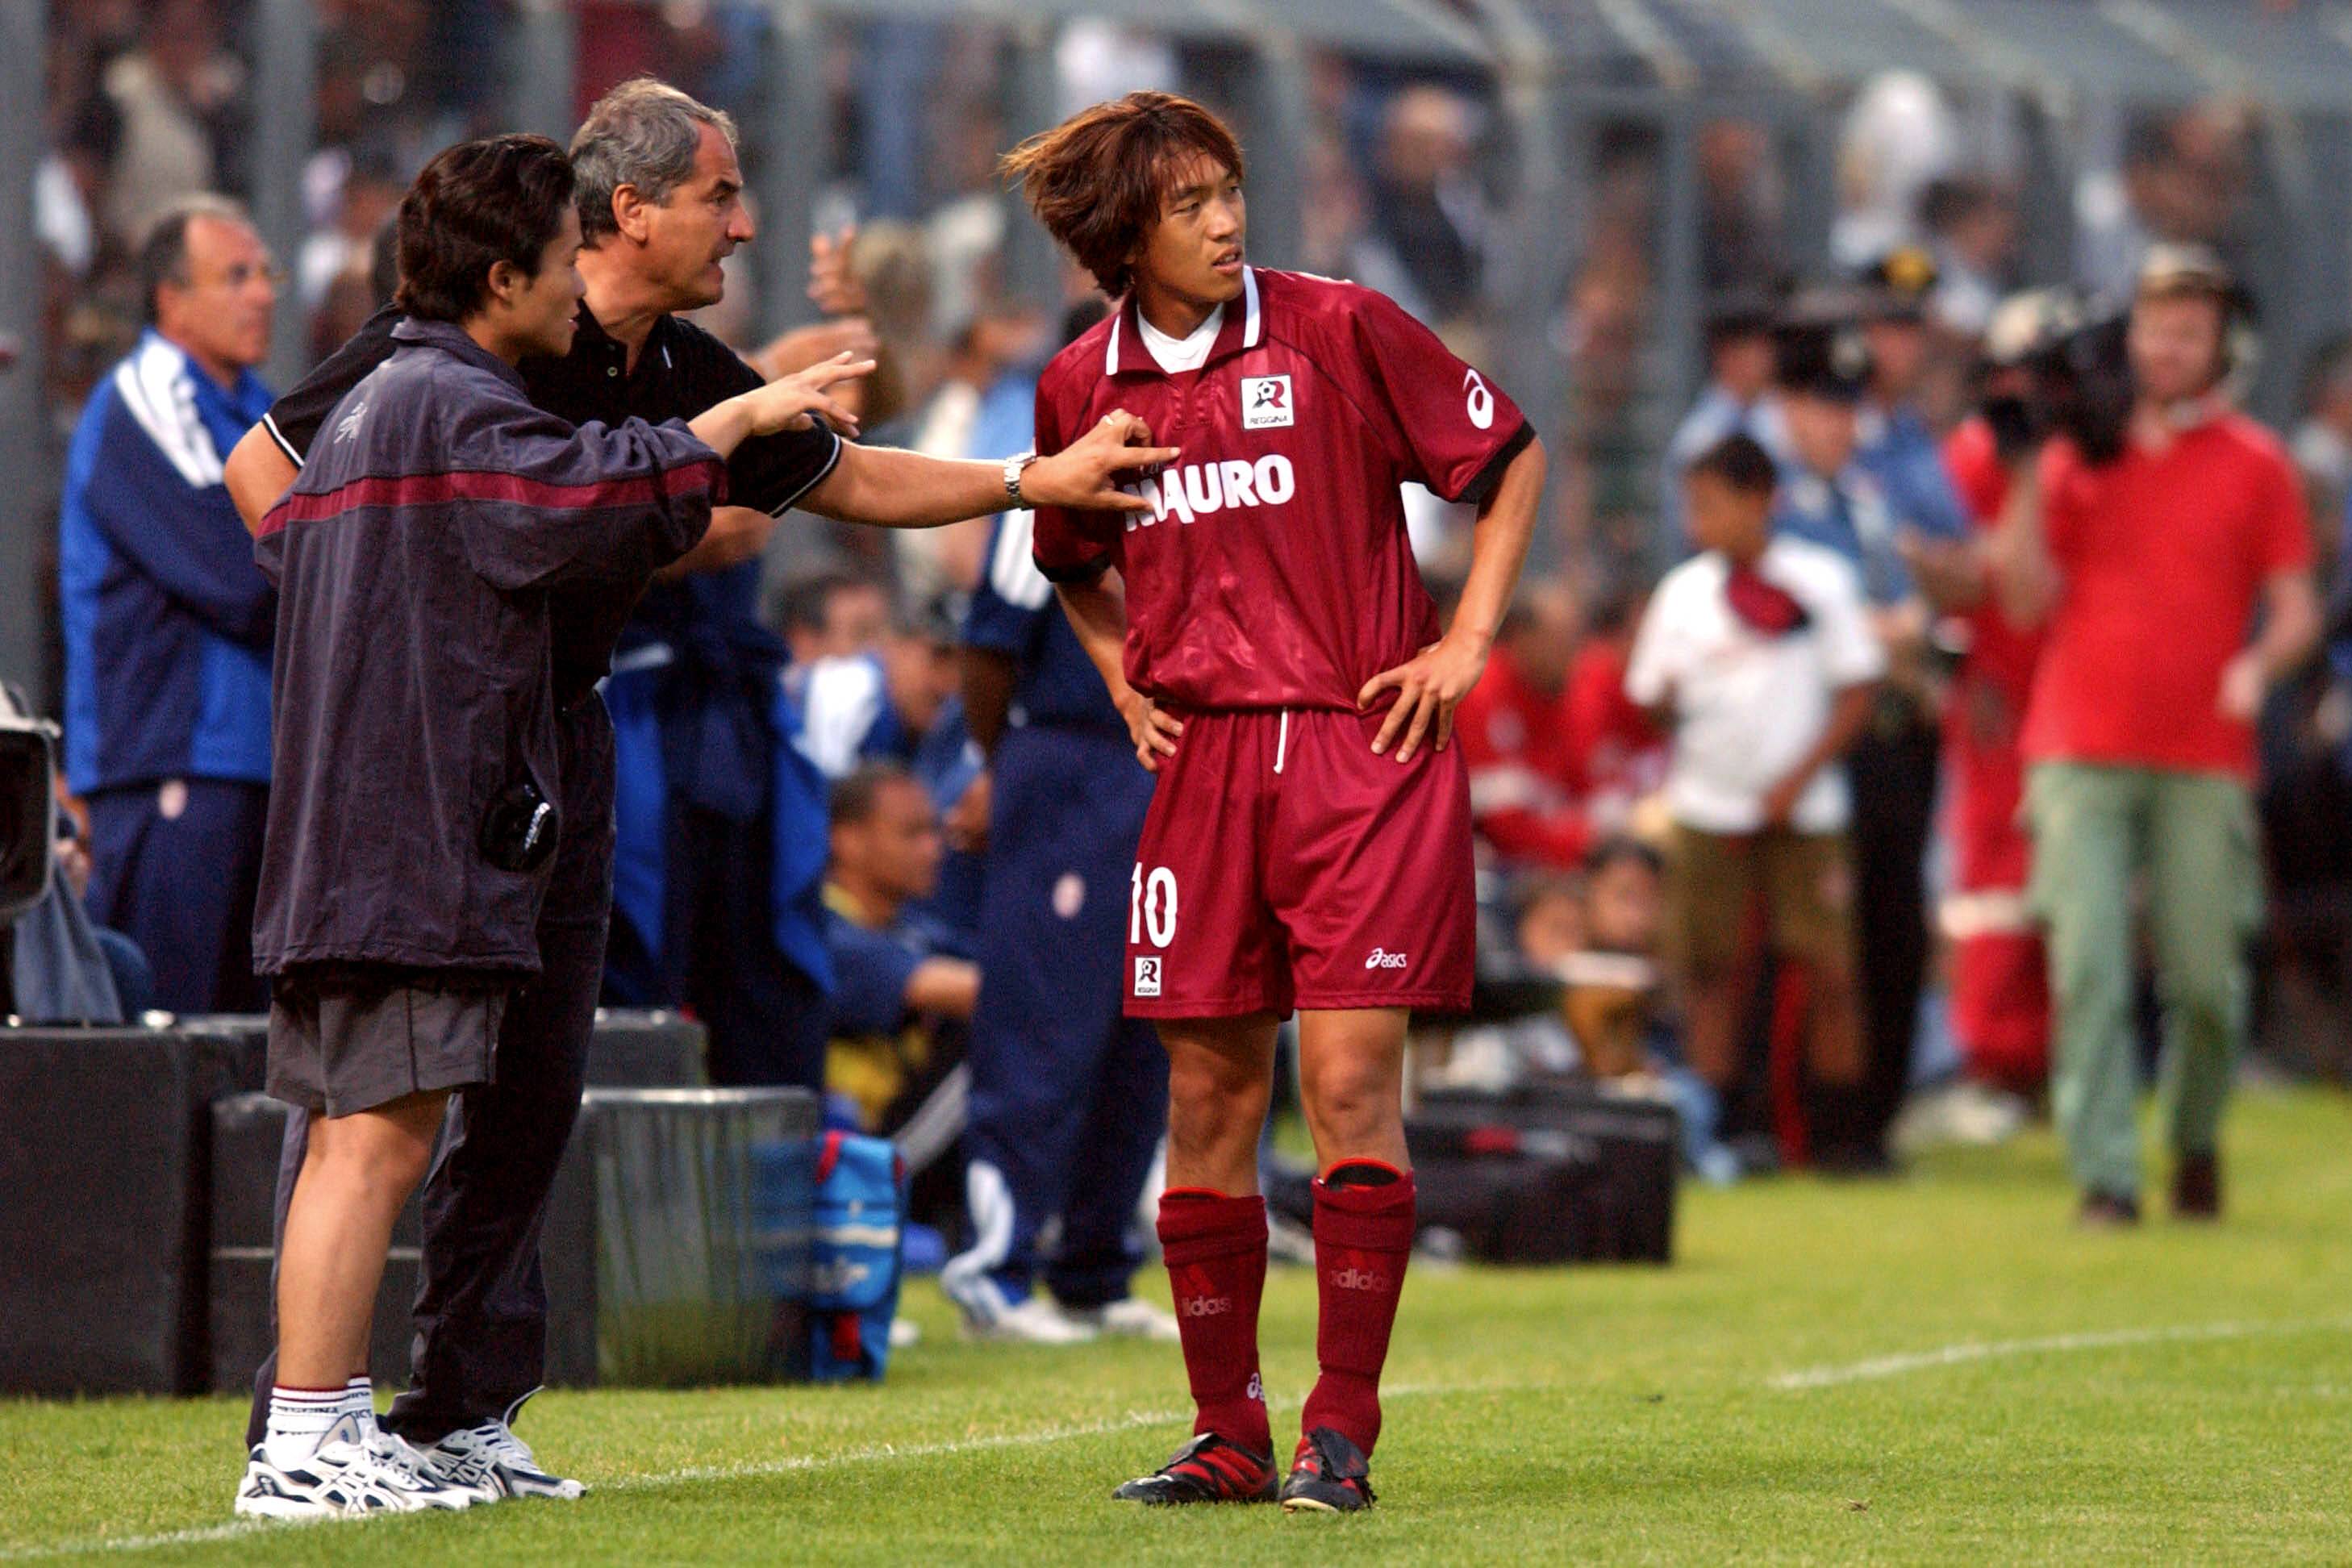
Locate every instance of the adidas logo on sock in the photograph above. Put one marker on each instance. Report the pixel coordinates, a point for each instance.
(1205, 1306)
(1256, 1389)
(1359, 1279)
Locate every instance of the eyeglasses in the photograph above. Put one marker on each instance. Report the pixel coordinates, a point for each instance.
(244, 272)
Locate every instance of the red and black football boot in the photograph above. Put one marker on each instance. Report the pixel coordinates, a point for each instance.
(1207, 1470)
(1330, 1476)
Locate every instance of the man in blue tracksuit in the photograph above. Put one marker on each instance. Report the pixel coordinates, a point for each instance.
(168, 624)
(1068, 1099)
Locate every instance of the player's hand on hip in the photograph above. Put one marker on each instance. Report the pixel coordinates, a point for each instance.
(1428, 687)
(1153, 732)
(793, 402)
(1080, 477)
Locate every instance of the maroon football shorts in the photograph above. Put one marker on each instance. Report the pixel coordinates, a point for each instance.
(1283, 866)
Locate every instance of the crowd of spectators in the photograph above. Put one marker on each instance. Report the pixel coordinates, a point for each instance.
(1860, 390)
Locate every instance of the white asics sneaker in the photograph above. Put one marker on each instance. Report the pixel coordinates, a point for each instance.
(352, 1475)
(1129, 1319)
(1034, 1322)
(490, 1455)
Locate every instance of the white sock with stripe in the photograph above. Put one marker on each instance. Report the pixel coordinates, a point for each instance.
(299, 1418)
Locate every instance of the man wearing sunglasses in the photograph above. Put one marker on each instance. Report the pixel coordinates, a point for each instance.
(167, 622)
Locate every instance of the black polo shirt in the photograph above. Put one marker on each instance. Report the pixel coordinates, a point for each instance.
(681, 372)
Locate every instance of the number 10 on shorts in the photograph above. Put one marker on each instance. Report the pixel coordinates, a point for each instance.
(1150, 914)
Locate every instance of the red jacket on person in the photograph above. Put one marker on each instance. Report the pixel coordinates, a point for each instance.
(1525, 771)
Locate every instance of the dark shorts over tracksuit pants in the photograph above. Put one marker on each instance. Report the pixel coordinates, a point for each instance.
(481, 1299)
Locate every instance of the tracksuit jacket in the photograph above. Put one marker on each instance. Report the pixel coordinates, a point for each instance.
(412, 686)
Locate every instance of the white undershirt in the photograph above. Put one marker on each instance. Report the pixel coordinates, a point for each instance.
(1177, 355)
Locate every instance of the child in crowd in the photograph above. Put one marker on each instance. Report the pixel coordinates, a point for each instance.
(1757, 653)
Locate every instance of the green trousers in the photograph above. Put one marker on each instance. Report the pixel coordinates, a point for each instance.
(2097, 831)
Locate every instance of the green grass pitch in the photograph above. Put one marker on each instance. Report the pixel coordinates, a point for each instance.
(1938, 1370)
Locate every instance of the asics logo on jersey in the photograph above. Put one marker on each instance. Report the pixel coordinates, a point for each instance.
(349, 426)
(1383, 959)
(1359, 1279)
(1197, 490)
(1205, 1306)
(1481, 401)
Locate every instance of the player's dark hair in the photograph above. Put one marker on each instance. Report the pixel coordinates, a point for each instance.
(1098, 179)
(1741, 462)
(859, 791)
(476, 204)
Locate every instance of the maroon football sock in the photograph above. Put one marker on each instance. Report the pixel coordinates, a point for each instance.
(1363, 1235)
(1215, 1250)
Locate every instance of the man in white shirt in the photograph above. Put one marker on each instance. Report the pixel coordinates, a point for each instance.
(1757, 653)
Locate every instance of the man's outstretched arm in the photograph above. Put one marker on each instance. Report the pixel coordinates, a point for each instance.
(895, 488)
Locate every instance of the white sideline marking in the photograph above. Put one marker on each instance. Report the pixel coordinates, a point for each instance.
(748, 1470)
(1960, 1355)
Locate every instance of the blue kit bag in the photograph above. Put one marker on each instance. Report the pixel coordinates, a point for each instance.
(853, 1262)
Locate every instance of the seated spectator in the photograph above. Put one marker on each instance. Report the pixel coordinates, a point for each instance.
(1759, 654)
(830, 613)
(1621, 754)
(1513, 730)
(866, 707)
(904, 989)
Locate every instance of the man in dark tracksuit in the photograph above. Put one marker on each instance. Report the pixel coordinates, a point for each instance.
(410, 843)
(1068, 1099)
(661, 171)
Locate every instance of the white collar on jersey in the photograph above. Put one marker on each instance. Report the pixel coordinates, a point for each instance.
(1253, 327)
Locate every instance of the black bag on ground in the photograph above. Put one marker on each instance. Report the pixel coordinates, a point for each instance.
(1552, 1173)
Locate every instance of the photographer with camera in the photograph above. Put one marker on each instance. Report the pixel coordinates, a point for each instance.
(2144, 548)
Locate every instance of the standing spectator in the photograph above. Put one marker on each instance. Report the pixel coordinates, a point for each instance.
(1759, 656)
(1832, 499)
(1971, 226)
(1068, 1097)
(2139, 740)
(1897, 766)
(171, 93)
(1428, 240)
(2323, 447)
(1516, 737)
(1739, 375)
(2000, 973)
(168, 622)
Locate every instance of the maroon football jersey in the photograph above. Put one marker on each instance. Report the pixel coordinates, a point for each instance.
(1273, 570)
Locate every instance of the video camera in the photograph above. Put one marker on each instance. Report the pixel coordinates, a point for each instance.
(2054, 366)
(29, 820)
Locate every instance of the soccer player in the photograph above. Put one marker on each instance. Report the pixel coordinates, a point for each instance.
(1280, 666)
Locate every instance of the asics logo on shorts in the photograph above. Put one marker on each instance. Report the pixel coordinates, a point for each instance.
(1383, 959)
(1205, 1306)
(1359, 1279)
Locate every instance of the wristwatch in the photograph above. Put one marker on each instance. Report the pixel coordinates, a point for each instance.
(1014, 466)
